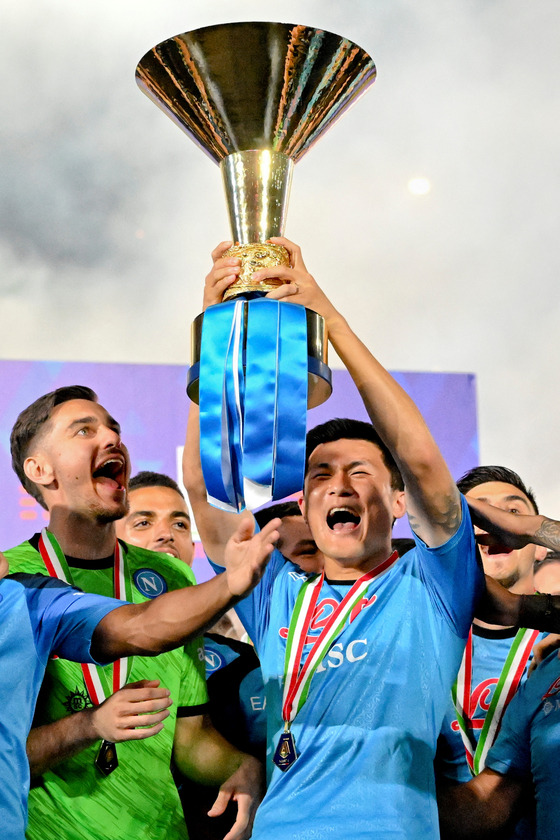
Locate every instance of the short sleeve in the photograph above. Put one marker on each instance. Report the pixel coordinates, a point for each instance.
(193, 677)
(64, 618)
(453, 574)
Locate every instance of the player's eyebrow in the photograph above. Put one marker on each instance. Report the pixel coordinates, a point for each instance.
(111, 423)
(513, 497)
(176, 514)
(82, 421)
(180, 514)
(326, 465)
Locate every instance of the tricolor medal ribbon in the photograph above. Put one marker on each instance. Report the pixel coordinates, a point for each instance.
(297, 677)
(507, 685)
(94, 677)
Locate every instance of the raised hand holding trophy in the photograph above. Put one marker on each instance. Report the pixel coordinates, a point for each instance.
(255, 97)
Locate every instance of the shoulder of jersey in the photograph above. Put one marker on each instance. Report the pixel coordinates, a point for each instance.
(158, 561)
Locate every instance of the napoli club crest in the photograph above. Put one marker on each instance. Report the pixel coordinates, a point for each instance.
(149, 583)
(213, 660)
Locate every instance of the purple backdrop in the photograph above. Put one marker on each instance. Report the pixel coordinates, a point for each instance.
(149, 402)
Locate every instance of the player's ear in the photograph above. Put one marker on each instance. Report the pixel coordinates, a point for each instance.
(399, 504)
(302, 506)
(38, 470)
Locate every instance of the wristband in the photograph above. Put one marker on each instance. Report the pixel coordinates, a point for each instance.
(541, 612)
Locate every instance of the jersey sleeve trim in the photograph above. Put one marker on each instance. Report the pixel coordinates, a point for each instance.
(192, 711)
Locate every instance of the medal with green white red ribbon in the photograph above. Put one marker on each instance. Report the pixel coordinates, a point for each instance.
(507, 685)
(98, 686)
(297, 677)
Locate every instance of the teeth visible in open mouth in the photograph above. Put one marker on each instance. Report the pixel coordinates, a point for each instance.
(337, 518)
(110, 469)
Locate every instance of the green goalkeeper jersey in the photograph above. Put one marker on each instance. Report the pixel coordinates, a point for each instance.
(138, 800)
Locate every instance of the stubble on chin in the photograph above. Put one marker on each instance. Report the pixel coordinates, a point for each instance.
(509, 581)
(106, 515)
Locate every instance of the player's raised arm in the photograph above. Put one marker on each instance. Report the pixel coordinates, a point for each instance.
(433, 501)
(215, 526)
(169, 620)
(513, 530)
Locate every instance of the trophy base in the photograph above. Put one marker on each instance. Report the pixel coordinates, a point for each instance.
(254, 256)
(319, 376)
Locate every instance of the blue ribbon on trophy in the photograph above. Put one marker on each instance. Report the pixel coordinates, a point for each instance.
(252, 451)
(255, 97)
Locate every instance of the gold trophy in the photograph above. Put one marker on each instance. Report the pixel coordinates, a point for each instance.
(255, 97)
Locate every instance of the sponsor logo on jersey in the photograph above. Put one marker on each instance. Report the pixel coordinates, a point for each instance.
(77, 701)
(480, 702)
(352, 652)
(213, 661)
(298, 575)
(149, 583)
(323, 612)
(553, 689)
(551, 706)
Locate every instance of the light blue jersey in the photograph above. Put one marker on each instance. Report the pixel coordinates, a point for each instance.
(490, 648)
(366, 735)
(38, 616)
(529, 742)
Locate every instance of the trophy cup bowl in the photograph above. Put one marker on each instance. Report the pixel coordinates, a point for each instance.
(255, 96)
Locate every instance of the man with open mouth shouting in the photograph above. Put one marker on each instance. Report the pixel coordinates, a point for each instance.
(358, 661)
(103, 736)
(497, 658)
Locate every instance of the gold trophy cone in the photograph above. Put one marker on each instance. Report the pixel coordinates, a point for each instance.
(255, 97)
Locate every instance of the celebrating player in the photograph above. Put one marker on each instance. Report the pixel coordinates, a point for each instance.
(525, 751)
(358, 661)
(68, 453)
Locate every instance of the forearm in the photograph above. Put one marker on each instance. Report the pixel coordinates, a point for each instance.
(393, 413)
(214, 526)
(547, 533)
(163, 623)
(477, 809)
(536, 612)
(206, 757)
(193, 478)
(431, 492)
(540, 612)
(498, 605)
(54, 742)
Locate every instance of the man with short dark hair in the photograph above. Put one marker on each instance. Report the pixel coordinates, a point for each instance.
(526, 750)
(496, 659)
(158, 517)
(358, 662)
(69, 451)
